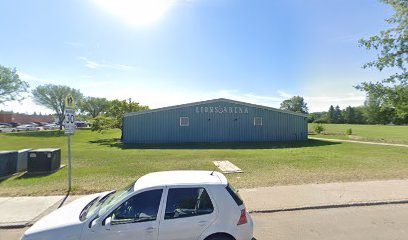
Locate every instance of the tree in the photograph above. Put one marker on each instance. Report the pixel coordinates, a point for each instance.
(359, 115)
(295, 104)
(94, 106)
(349, 115)
(392, 48)
(101, 123)
(53, 97)
(376, 111)
(11, 86)
(115, 114)
(319, 128)
(331, 115)
(313, 117)
(337, 115)
(118, 110)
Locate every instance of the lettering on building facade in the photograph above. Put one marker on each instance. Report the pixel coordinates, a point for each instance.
(222, 110)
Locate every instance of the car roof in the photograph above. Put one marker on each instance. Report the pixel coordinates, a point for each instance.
(180, 178)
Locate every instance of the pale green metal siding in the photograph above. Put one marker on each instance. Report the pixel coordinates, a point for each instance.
(163, 126)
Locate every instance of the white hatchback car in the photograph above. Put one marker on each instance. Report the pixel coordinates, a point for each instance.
(173, 205)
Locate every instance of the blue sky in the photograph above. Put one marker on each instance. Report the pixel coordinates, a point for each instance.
(165, 52)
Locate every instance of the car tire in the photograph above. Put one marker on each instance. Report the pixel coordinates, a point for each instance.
(220, 237)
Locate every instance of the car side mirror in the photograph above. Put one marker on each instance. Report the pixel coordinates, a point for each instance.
(108, 223)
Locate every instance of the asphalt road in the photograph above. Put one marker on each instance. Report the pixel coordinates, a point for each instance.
(385, 222)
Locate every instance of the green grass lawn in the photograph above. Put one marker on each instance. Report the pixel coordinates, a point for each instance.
(398, 134)
(100, 162)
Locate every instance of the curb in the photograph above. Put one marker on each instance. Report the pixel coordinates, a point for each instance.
(343, 205)
(14, 225)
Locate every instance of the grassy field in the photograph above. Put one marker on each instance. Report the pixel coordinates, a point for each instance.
(100, 162)
(397, 134)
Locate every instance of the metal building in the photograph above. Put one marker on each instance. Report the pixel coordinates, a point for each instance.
(218, 120)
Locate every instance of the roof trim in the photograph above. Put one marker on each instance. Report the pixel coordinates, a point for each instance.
(215, 100)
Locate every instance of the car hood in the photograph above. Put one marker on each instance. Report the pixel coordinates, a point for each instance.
(62, 223)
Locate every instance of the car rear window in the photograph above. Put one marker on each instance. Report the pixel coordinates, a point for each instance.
(234, 194)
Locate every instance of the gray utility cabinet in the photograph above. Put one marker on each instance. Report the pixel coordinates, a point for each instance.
(22, 160)
(44, 160)
(8, 163)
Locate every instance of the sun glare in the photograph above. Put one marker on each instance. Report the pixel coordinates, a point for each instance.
(136, 12)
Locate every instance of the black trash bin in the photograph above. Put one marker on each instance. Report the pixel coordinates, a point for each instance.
(45, 160)
(8, 163)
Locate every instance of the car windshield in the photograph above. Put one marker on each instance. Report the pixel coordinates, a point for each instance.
(103, 203)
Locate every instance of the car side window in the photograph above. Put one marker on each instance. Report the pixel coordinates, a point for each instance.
(139, 208)
(187, 202)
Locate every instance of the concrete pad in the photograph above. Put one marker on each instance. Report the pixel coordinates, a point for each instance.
(3, 199)
(11, 208)
(12, 234)
(330, 194)
(227, 167)
(23, 210)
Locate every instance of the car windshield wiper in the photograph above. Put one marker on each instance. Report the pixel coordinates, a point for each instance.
(103, 199)
(84, 212)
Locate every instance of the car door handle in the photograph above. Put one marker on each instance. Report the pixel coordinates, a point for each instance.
(149, 229)
(202, 223)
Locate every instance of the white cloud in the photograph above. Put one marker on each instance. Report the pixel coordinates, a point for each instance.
(30, 78)
(314, 102)
(95, 65)
(322, 103)
(25, 106)
(284, 94)
(162, 93)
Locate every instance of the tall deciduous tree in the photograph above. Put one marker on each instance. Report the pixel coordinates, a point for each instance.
(94, 106)
(376, 112)
(392, 48)
(113, 117)
(295, 104)
(11, 86)
(53, 97)
(118, 109)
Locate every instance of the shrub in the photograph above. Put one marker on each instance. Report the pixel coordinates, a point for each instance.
(349, 131)
(319, 128)
(102, 123)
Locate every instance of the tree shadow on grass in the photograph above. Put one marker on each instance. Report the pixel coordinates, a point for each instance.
(25, 175)
(37, 134)
(115, 142)
(4, 178)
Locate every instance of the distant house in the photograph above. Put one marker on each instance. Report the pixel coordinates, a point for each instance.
(7, 117)
(218, 120)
